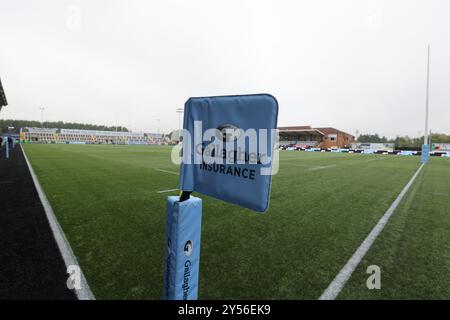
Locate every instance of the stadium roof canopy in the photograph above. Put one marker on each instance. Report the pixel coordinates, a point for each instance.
(329, 130)
(3, 101)
(308, 131)
(299, 131)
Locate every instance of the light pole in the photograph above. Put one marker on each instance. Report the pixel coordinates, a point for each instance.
(180, 112)
(42, 116)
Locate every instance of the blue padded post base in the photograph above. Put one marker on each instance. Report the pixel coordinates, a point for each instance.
(425, 153)
(182, 253)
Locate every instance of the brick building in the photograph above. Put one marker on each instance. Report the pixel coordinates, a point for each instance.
(307, 136)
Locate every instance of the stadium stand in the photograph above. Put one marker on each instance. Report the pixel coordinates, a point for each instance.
(76, 136)
(300, 136)
(307, 137)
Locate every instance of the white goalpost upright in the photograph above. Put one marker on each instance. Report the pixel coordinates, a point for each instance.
(426, 145)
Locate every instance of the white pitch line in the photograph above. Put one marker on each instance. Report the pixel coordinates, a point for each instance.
(374, 159)
(67, 254)
(323, 167)
(342, 277)
(168, 190)
(166, 171)
(95, 156)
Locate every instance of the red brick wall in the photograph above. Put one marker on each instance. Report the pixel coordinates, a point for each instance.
(342, 140)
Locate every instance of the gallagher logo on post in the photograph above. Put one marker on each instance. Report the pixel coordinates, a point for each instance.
(188, 247)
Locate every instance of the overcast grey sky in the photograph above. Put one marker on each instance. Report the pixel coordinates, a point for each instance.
(354, 65)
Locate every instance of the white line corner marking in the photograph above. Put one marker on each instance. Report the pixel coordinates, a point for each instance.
(67, 254)
(342, 277)
(168, 190)
(167, 171)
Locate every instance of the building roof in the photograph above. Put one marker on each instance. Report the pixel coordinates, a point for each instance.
(330, 130)
(299, 131)
(3, 101)
(294, 128)
(308, 130)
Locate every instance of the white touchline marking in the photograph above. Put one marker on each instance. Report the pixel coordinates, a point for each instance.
(168, 190)
(323, 167)
(171, 172)
(374, 159)
(67, 254)
(95, 156)
(342, 277)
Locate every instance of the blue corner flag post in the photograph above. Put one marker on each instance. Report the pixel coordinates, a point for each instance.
(425, 153)
(182, 253)
(7, 148)
(244, 179)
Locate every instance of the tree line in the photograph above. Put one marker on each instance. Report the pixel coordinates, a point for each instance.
(404, 141)
(17, 124)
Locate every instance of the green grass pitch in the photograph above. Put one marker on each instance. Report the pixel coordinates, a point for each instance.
(323, 205)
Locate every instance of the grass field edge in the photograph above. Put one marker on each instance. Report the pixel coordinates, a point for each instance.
(84, 293)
